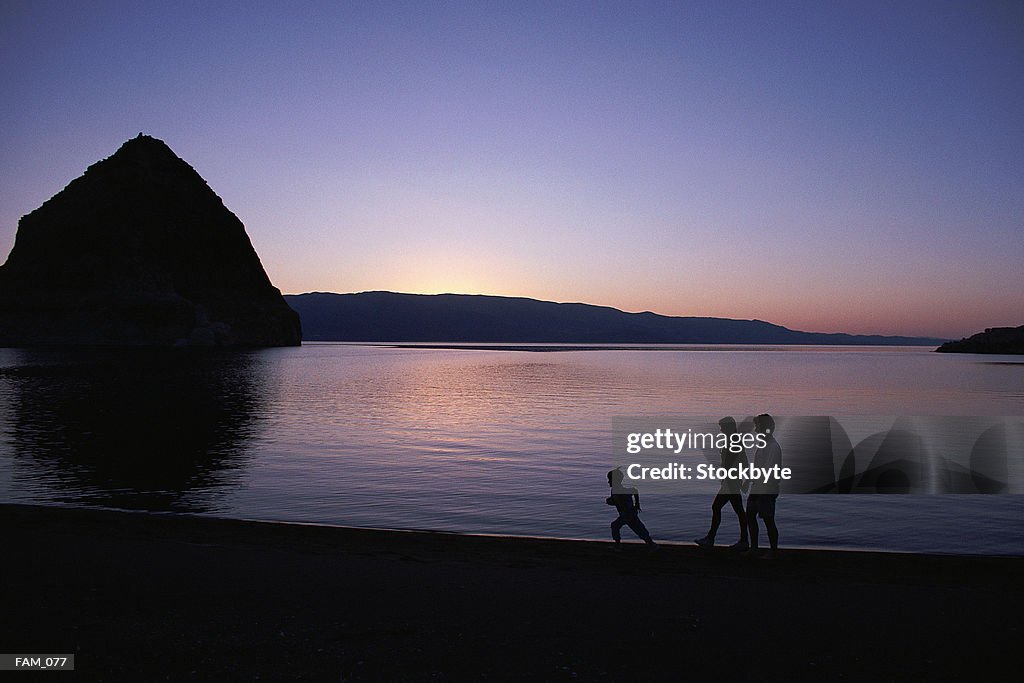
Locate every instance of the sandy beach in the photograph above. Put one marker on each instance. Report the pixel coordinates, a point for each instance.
(163, 597)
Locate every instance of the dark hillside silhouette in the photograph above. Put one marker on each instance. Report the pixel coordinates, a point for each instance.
(992, 340)
(387, 316)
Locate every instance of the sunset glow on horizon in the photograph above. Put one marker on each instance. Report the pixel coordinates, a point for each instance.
(853, 168)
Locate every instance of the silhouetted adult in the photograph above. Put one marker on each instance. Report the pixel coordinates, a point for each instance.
(729, 491)
(763, 494)
(627, 502)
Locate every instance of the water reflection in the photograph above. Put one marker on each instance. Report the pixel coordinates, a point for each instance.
(141, 429)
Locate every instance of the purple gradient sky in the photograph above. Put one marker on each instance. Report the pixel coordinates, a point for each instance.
(827, 166)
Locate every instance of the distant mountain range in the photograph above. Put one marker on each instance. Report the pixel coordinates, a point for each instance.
(467, 318)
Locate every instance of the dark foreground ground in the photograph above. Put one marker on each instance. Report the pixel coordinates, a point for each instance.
(146, 598)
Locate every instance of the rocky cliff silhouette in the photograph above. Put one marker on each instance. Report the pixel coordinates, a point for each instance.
(139, 251)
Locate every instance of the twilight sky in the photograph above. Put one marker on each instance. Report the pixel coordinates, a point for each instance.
(849, 166)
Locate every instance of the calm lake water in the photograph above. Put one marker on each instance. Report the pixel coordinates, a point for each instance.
(484, 441)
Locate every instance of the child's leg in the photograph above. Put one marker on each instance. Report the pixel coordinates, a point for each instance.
(639, 529)
(616, 526)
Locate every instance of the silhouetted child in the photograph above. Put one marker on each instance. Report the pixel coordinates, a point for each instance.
(627, 502)
(729, 492)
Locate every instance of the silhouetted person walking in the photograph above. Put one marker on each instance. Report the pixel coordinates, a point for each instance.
(627, 502)
(761, 501)
(728, 492)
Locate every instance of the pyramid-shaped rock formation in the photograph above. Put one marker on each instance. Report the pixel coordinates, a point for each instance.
(139, 251)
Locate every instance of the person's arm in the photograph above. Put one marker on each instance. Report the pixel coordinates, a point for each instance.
(636, 499)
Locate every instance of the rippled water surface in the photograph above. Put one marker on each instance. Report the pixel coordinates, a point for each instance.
(509, 442)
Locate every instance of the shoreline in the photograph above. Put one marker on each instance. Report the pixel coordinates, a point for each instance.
(30, 509)
(143, 596)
